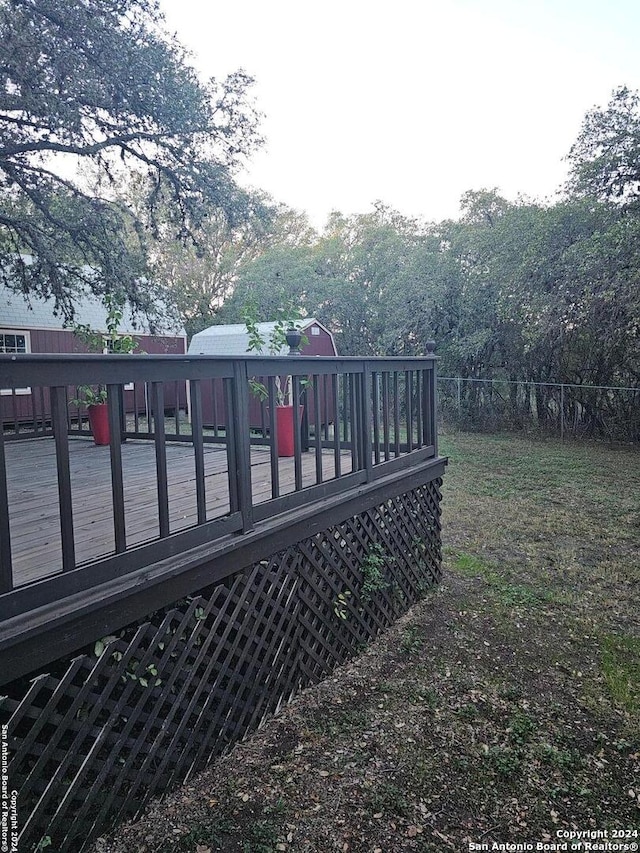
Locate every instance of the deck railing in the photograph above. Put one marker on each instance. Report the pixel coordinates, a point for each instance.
(177, 472)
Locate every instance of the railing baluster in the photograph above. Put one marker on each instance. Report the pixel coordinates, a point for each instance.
(232, 452)
(157, 395)
(6, 571)
(344, 384)
(14, 401)
(198, 448)
(433, 398)
(358, 427)
(117, 481)
(317, 425)
(273, 439)
(123, 413)
(43, 409)
(375, 379)
(297, 440)
(355, 461)
(176, 401)
(408, 391)
(426, 439)
(419, 385)
(32, 406)
(325, 400)
(262, 429)
(304, 422)
(385, 416)
(335, 395)
(366, 418)
(396, 413)
(214, 407)
(136, 415)
(59, 421)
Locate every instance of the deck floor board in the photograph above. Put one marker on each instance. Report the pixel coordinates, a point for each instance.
(33, 495)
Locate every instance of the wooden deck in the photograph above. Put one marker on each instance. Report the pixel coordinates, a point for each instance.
(33, 495)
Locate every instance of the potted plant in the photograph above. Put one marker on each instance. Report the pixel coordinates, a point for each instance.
(284, 413)
(92, 397)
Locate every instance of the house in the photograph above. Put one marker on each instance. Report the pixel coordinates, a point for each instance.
(233, 340)
(31, 326)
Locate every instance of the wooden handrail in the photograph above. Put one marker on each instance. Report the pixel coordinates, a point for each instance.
(364, 418)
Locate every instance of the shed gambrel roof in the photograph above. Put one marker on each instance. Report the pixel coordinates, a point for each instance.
(233, 339)
(18, 312)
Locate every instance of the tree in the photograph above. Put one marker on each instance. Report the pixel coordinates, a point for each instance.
(352, 278)
(100, 82)
(605, 159)
(199, 278)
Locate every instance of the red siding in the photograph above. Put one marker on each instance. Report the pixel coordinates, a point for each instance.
(321, 345)
(60, 340)
(21, 406)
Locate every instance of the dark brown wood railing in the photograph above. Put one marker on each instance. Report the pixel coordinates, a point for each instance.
(362, 419)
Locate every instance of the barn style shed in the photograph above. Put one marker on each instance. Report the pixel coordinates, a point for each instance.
(232, 340)
(31, 326)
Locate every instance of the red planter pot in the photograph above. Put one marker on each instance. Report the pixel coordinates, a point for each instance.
(99, 422)
(284, 428)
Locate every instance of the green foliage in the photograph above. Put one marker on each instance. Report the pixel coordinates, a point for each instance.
(389, 800)
(411, 642)
(89, 395)
(605, 159)
(373, 573)
(96, 341)
(286, 319)
(114, 91)
(620, 656)
(263, 836)
(504, 761)
(200, 275)
(113, 341)
(205, 833)
(514, 291)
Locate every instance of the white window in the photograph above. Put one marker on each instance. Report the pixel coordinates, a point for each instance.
(14, 341)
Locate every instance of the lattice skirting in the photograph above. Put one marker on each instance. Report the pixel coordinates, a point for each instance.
(91, 741)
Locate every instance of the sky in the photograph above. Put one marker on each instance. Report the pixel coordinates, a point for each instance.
(413, 102)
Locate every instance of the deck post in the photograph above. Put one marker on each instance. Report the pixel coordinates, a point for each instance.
(59, 421)
(6, 572)
(432, 396)
(240, 411)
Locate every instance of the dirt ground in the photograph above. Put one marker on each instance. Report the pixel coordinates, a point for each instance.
(504, 707)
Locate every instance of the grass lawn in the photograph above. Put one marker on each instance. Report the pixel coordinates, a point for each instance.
(504, 707)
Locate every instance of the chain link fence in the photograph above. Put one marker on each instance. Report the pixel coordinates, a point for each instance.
(610, 413)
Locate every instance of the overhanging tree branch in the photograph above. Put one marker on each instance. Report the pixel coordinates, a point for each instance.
(91, 81)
